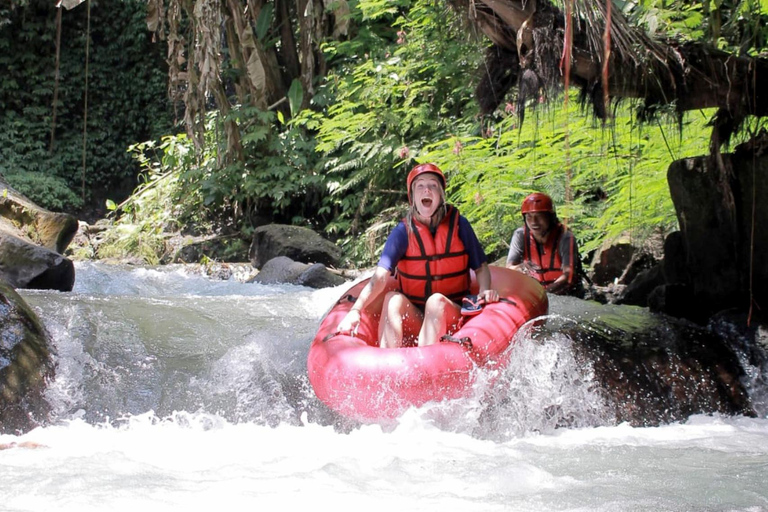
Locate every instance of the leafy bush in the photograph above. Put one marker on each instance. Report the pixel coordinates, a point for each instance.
(126, 100)
(157, 207)
(616, 175)
(186, 187)
(43, 189)
(387, 97)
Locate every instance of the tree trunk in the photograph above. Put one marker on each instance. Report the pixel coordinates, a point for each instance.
(289, 55)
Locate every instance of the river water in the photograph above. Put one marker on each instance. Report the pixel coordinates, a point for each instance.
(174, 391)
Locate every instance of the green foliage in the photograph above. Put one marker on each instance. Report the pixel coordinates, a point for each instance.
(617, 174)
(389, 96)
(278, 177)
(126, 100)
(43, 189)
(400, 91)
(739, 26)
(159, 205)
(183, 187)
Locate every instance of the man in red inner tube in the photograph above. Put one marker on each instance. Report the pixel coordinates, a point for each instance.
(545, 249)
(432, 251)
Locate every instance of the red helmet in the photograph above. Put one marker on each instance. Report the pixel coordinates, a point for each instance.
(423, 169)
(537, 202)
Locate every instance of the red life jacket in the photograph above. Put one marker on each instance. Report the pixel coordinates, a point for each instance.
(546, 269)
(434, 264)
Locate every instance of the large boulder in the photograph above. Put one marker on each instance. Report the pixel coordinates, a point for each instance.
(32, 241)
(25, 364)
(636, 293)
(716, 260)
(295, 242)
(664, 372)
(25, 265)
(22, 218)
(284, 270)
(625, 272)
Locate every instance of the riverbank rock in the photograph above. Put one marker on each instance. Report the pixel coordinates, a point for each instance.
(284, 270)
(32, 241)
(716, 261)
(295, 242)
(621, 271)
(22, 218)
(722, 256)
(24, 265)
(26, 365)
(664, 373)
(610, 262)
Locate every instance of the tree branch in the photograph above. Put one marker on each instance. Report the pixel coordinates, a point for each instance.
(687, 76)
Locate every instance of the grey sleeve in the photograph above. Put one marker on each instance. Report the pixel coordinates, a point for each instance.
(515, 256)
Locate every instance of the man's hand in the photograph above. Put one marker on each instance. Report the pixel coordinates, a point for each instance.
(489, 296)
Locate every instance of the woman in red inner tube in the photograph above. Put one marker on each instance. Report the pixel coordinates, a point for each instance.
(431, 252)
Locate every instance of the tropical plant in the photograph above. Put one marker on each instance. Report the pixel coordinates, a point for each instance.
(158, 206)
(616, 175)
(386, 97)
(187, 188)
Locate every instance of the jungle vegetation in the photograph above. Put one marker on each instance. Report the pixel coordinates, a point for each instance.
(312, 113)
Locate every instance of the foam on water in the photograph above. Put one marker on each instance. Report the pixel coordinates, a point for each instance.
(195, 460)
(177, 392)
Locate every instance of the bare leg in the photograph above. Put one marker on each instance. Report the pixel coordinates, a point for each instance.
(399, 317)
(441, 316)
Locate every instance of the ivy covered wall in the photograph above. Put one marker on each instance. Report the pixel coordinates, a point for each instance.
(126, 101)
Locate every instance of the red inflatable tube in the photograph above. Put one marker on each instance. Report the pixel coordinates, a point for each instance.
(359, 380)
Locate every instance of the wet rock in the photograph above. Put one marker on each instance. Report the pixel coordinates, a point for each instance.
(610, 262)
(674, 267)
(640, 288)
(664, 373)
(716, 261)
(25, 364)
(32, 241)
(748, 334)
(318, 276)
(284, 270)
(23, 219)
(25, 265)
(723, 228)
(295, 242)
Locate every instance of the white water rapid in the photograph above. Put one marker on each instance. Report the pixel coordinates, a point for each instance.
(178, 392)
